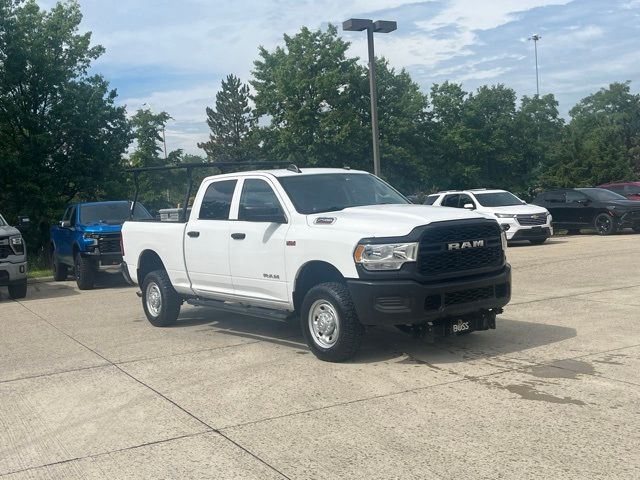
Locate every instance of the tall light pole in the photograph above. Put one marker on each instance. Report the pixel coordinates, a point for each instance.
(535, 37)
(380, 26)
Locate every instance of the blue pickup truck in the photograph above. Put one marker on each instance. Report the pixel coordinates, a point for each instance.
(87, 239)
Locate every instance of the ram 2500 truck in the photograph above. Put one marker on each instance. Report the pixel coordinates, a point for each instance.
(339, 249)
(13, 260)
(87, 240)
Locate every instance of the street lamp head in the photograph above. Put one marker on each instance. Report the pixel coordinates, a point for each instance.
(356, 24)
(535, 37)
(384, 26)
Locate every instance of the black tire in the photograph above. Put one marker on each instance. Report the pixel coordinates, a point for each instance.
(60, 271)
(636, 228)
(85, 273)
(168, 306)
(573, 231)
(335, 301)
(18, 290)
(605, 224)
(537, 241)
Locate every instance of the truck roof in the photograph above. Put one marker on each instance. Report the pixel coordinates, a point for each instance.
(283, 172)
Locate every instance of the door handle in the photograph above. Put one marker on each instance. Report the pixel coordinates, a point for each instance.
(238, 236)
(193, 234)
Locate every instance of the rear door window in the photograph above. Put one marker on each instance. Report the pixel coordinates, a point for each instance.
(431, 199)
(216, 203)
(554, 197)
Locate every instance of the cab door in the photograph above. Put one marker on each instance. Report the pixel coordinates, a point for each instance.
(206, 241)
(257, 243)
(579, 208)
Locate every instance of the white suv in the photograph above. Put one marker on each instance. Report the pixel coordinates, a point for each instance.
(519, 220)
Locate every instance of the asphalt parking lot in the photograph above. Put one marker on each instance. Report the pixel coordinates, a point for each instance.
(88, 389)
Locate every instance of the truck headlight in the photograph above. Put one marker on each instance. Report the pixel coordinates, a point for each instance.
(17, 245)
(505, 215)
(390, 256)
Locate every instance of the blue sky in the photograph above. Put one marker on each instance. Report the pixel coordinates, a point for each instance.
(172, 54)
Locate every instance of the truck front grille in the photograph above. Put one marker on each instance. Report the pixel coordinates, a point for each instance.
(438, 258)
(109, 244)
(5, 251)
(532, 220)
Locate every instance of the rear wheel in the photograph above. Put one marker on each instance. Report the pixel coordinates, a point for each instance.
(330, 324)
(18, 290)
(60, 271)
(161, 303)
(605, 224)
(85, 273)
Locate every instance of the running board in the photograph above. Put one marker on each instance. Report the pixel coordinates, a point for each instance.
(260, 312)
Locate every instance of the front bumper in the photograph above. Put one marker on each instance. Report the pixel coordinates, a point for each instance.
(513, 228)
(12, 273)
(531, 233)
(401, 302)
(105, 262)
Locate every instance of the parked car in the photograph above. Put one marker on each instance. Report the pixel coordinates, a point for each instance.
(339, 249)
(519, 220)
(87, 240)
(604, 210)
(630, 190)
(13, 259)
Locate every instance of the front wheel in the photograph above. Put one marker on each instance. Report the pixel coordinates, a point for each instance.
(605, 224)
(330, 324)
(161, 303)
(85, 274)
(18, 290)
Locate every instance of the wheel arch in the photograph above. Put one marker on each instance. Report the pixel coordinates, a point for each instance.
(148, 261)
(311, 274)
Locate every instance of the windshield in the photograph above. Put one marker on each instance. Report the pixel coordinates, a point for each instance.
(111, 213)
(601, 194)
(335, 191)
(497, 199)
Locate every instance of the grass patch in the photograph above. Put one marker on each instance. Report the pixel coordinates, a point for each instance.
(38, 266)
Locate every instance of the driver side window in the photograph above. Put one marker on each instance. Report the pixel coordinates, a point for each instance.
(574, 197)
(258, 202)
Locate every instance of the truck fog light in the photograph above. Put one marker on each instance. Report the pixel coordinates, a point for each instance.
(505, 227)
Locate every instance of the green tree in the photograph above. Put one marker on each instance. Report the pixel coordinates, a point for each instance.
(309, 93)
(232, 124)
(602, 141)
(156, 189)
(61, 134)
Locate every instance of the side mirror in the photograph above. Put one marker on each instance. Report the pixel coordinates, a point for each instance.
(65, 224)
(469, 206)
(262, 214)
(23, 223)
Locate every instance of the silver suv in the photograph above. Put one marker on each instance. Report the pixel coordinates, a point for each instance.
(13, 260)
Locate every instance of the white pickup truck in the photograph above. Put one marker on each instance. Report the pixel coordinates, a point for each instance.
(339, 249)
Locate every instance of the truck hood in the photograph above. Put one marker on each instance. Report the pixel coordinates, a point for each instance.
(527, 209)
(101, 228)
(6, 231)
(388, 220)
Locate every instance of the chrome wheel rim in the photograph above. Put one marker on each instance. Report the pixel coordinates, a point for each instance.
(153, 299)
(324, 324)
(603, 224)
